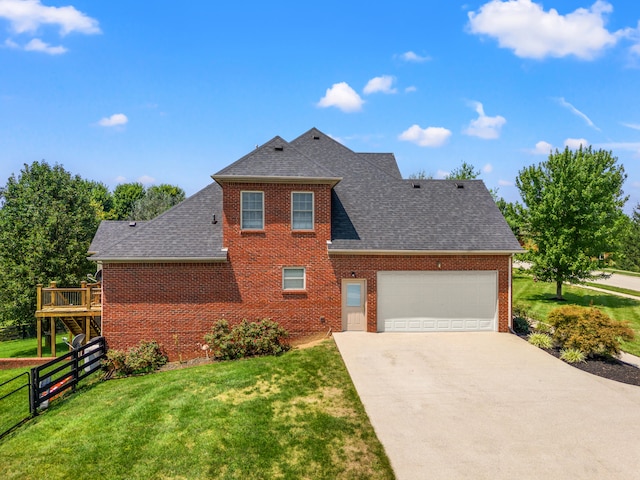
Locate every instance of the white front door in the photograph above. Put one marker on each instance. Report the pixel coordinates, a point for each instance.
(354, 307)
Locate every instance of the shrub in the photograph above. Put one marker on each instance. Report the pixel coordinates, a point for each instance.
(573, 355)
(588, 330)
(521, 323)
(145, 358)
(247, 339)
(541, 340)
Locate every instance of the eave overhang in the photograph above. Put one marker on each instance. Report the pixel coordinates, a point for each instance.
(221, 179)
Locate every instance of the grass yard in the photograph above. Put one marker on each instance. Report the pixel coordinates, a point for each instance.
(293, 416)
(539, 298)
(15, 407)
(29, 347)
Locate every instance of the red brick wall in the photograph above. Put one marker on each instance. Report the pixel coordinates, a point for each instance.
(177, 303)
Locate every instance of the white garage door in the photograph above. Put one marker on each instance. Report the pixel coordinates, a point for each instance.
(437, 301)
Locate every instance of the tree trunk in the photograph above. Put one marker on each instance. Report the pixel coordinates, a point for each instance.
(559, 290)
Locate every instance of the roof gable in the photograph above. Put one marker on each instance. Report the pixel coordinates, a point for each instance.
(277, 159)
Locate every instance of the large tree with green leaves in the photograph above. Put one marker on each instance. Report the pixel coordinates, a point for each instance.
(156, 200)
(47, 221)
(572, 213)
(629, 258)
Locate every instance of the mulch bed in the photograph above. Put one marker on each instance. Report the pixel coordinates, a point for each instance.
(610, 368)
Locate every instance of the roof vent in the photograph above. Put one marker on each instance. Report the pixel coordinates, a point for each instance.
(132, 224)
(278, 149)
(316, 137)
(416, 185)
(459, 185)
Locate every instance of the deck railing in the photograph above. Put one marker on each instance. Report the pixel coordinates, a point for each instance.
(89, 296)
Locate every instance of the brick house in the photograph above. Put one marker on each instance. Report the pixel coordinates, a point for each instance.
(316, 237)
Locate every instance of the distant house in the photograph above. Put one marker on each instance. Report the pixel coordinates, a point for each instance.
(316, 237)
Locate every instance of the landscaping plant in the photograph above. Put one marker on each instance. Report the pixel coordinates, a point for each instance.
(247, 339)
(145, 358)
(573, 355)
(541, 340)
(589, 330)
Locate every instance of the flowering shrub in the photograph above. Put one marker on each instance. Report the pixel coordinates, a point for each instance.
(145, 358)
(247, 339)
(588, 330)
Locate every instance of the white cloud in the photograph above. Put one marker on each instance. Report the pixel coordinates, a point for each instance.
(505, 183)
(411, 89)
(575, 143)
(114, 120)
(442, 174)
(485, 127)
(37, 45)
(577, 112)
(628, 146)
(382, 84)
(635, 126)
(30, 15)
(488, 168)
(542, 148)
(531, 32)
(426, 137)
(413, 57)
(121, 179)
(635, 184)
(146, 180)
(342, 96)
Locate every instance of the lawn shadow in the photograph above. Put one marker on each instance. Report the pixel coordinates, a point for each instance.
(585, 300)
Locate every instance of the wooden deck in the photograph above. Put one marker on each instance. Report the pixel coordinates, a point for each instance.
(80, 309)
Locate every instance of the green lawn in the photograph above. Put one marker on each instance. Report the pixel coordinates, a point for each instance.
(29, 347)
(538, 296)
(15, 407)
(293, 416)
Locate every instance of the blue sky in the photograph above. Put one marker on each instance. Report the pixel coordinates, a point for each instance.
(171, 92)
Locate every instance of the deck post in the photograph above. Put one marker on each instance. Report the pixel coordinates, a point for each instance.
(87, 329)
(53, 336)
(39, 334)
(38, 319)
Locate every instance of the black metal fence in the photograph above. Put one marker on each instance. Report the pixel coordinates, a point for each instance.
(14, 411)
(53, 378)
(48, 381)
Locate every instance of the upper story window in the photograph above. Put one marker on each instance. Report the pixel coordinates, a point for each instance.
(302, 211)
(252, 208)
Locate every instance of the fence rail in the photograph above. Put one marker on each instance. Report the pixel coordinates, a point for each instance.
(89, 296)
(55, 377)
(7, 398)
(48, 381)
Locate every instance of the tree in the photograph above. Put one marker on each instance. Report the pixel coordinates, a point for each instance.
(47, 222)
(630, 249)
(510, 212)
(465, 171)
(101, 200)
(572, 210)
(156, 200)
(421, 175)
(125, 196)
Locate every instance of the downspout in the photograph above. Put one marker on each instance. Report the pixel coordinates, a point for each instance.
(511, 294)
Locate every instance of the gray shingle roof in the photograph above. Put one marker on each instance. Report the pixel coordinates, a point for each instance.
(373, 208)
(276, 159)
(185, 232)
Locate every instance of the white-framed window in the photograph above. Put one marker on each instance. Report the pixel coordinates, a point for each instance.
(302, 210)
(294, 278)
(252, 211)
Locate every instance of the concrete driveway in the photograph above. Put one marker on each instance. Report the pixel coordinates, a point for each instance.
(490, 406)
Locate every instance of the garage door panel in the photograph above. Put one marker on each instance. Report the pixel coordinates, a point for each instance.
(437, 301)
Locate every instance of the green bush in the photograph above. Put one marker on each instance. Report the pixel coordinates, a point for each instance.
(247, 339)
(541, 340)
(521, 323)
(145, 358)
(573, 355)
(588, 330)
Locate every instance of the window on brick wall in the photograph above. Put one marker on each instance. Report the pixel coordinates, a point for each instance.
(252, 211)
(302, 211)
(294, 278)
